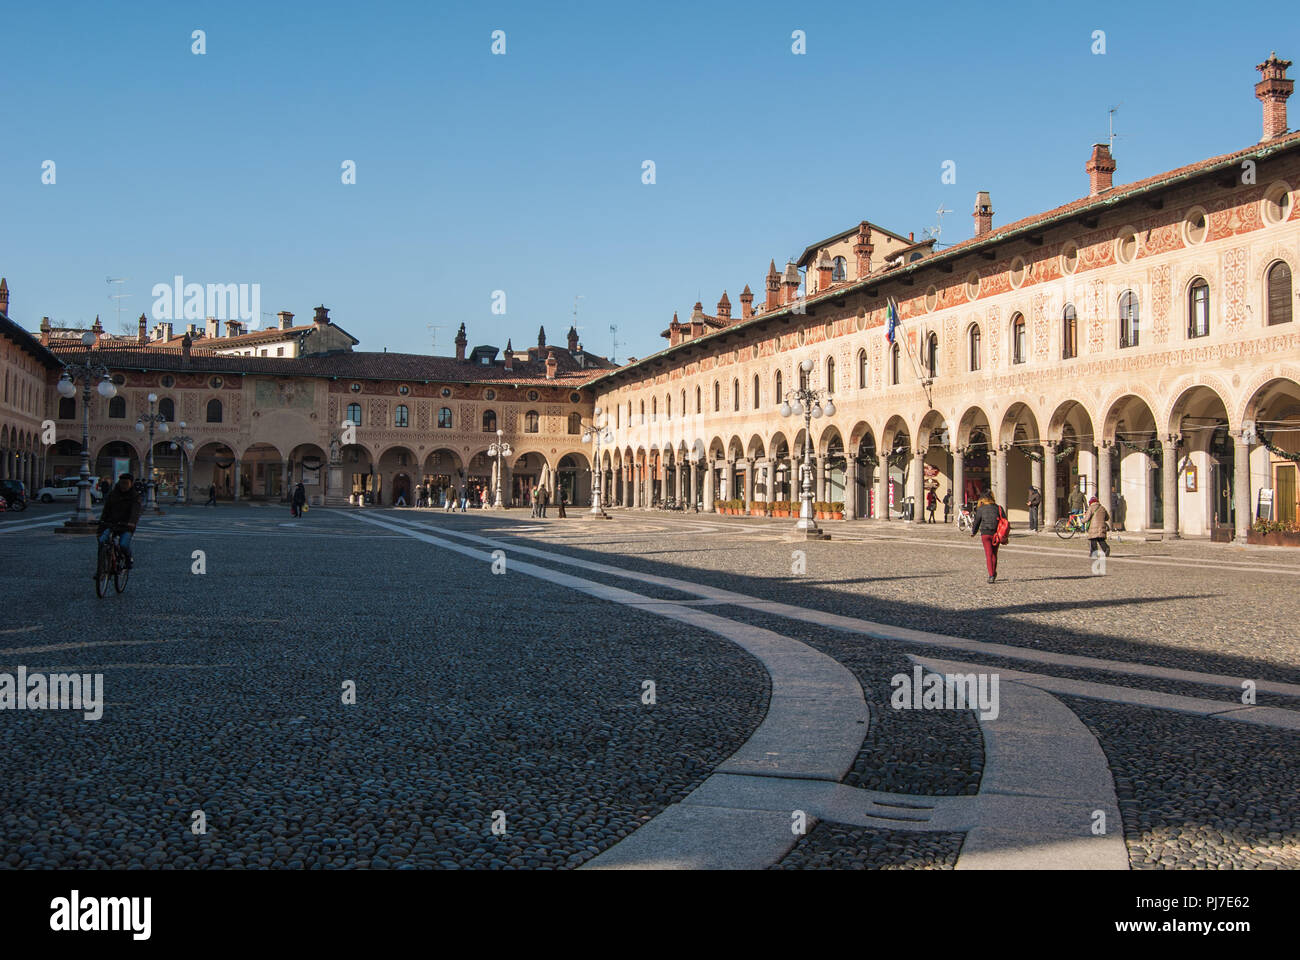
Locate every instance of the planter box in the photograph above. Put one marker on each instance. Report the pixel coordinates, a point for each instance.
(837, 516)
(1273, 539)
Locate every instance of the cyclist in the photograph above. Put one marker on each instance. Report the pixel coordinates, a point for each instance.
(120, 515)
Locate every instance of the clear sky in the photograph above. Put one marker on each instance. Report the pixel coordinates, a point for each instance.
(523, 172)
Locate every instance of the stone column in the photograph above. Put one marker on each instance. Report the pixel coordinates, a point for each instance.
(1241, 487)
(285, 477)
(918, 486)
(708, 486)
(1036, 473)
(850, 489)
(1049, 484)
(749, 481)
(1103, 477)
(235, 488)
(995, 485)
(882, 491)
(1169, 482)
(818, 492)
(958, 478)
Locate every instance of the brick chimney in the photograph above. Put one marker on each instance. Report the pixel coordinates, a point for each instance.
(983, 213)
(4, 296)
(191, 330)
(674, 331)
(1100, 166)
(1273, 90)
(320, 315)
(186, 342)
(97, 329)
(142, 335)
(773, 287)
(510, 357)
(724, 307)
(790, 283)
(862, 249)
(825, 267)
(45, 331)
(461, 341)
(551, 365)
(235, 328)
(286, 319)
(212, 327)
(746, 303)
(541, 339)
(573, 339)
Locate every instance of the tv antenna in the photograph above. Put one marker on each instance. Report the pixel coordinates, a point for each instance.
(1111, 125)
(435, 327)
(119, 297)
(933, 233)
(613, 347)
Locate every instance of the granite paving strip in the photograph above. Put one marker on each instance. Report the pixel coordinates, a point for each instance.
(881, 631)
(1213, 709)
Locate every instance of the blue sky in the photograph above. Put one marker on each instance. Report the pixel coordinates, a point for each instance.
(522, 172)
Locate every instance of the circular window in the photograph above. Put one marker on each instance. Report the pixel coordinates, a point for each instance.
(533, 395)
(1017, 272)
(828, 331)
(490, 395)
(404, 390)
(931, 298)
(575, 398)
(1277, 203)
(446, 391)
(1070, 257)
(972, 285)
(168, 381)
(118, 379)
(754, 352)
(1195, 226)
(1126, 247)
(355, 388)
(215, 383)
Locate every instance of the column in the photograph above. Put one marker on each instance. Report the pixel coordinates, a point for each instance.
(958, 478)
(882, 492)
(284, 481)
(1036, 473)
(236, 484)
(817, 478)
(918, 485)
(749, 481)
(1241, 487)
(708, 486)
(1049, 484)
(1169, 478)
(995, 485)
(1103, 477)
(851, 489)
(1002, 474)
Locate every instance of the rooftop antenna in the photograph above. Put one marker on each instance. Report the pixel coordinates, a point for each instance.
(933, 233)
(1111, 122)
(435, 327)
(613, 347)
(119, 297)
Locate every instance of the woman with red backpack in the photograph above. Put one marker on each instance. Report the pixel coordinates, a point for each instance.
(992, 520)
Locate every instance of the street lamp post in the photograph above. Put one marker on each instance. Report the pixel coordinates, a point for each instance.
(500, 450)
(807, 402)
(152, 419)
(594, 433)
(184, 445)
(82, 520)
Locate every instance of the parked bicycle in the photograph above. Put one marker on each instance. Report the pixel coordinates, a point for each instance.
(112, 565)
(1070, 524)
(965, 518)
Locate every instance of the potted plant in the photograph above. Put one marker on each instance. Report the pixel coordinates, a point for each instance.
(719, 506)
(837, 511)
(1274, 533)
(819, 509)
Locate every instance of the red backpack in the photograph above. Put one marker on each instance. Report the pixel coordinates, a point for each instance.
(1003, 532)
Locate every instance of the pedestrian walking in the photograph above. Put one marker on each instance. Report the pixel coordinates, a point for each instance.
(1097, 520)
(1033, 500)
(543, 495)
(562, 499)
(931, 504)
(299, 499)
(1076, 501)
(212, 495)
(989, 520)
(947, 505)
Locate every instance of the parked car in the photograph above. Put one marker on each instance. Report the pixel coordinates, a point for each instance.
(14, 494)
(65, 488)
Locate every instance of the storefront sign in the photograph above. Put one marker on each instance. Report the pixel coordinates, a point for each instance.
(1189, 484)
(1265, 509)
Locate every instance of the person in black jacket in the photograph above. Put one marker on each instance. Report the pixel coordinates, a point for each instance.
(987, 515)
(121, 513)
(299, 500)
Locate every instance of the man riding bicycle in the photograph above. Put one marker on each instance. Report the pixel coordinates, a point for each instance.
(120, 515)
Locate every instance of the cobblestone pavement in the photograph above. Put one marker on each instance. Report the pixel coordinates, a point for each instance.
(479, 693)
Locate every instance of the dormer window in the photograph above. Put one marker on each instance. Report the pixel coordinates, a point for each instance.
(486, 361)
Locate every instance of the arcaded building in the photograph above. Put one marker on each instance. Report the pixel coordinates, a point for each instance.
(1137, 343)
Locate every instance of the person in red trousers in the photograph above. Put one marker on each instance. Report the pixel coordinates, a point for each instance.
(987, 515)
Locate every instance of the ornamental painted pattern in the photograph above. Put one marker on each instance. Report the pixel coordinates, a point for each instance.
(1161, 294)
(1233, 273)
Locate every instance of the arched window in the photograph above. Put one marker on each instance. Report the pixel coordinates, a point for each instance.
(778, 395)
(401, 416)
(1018, 338)
(1198, 308)
(531, 421)
(489, 421)
(117, 408)
(803, 378)
(354, 414)
(1279, 294)
(976, 360)
(755, 391)
(893, 364)
(839, 270)
(717, 396)
(654, 407)
(932, 355)
(214, 411)
(1069, 332)
(575, 423)
(698, 407)
(862, 369)
(167, 407)
(735, 395)
(683, 403)
(444, 418)
(668, 406)
(1128, 319)
(642, 411)
(830, 374)
(67, 408)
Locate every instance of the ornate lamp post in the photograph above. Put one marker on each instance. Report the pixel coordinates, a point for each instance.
(807, 403)
(184, 445)
(500, 450)
(594, 433)
(152, 419)
(86, 372)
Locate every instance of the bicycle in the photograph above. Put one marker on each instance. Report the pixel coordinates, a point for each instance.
(112, 564)
(1070, 524)
(965, 519)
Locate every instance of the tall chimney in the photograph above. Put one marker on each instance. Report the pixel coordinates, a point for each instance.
(551, 365)
(4, 296)
(862, 249)
(185, 347)
(286, 319)
(1100, 166)
(45, 331)
(541, 339)
(461, 340)
(510, 357)
(142, 335)
(746, 303)
(773, 287)
(320, 315)
(824, 270)
(212, 327)
(1273, 90)
(724, 307)
(983, 213)
(674, 331)
(790, 284)
(573, 339)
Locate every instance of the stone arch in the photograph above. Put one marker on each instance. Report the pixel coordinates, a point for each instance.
(972, 417)
(1187, 390)
(755, 447)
